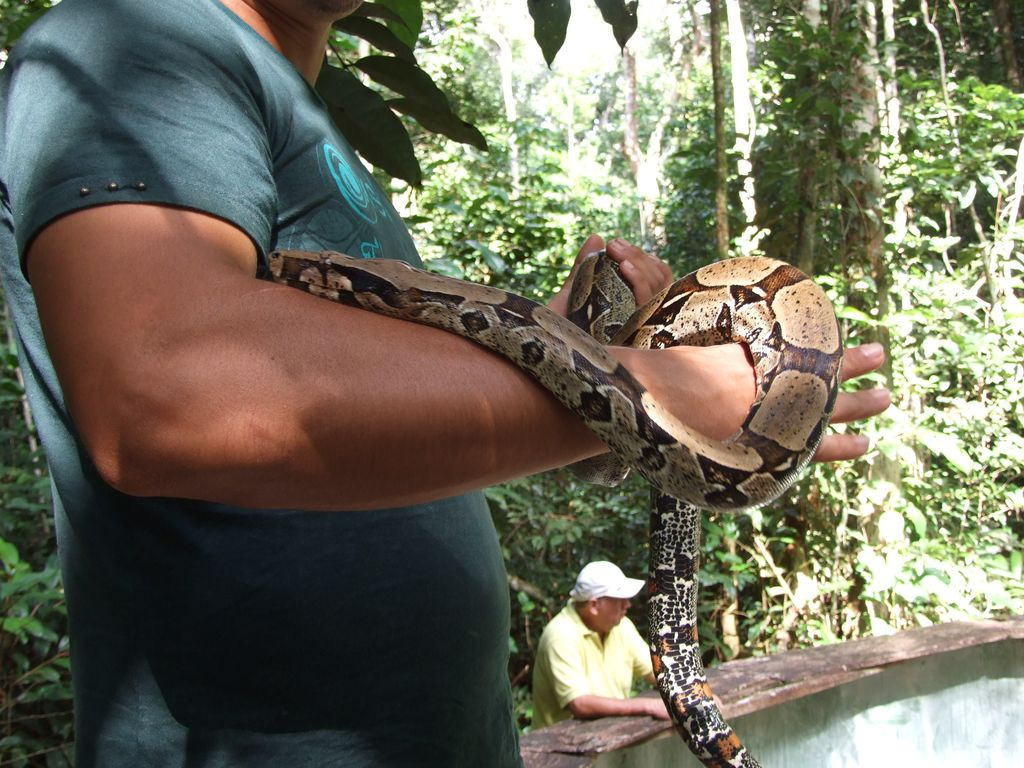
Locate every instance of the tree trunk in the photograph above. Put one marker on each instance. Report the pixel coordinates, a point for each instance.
(644, 176)
(1004, 26)
(746, 125)
(506, 67)
(891, 129)
(865, 240)
(809, 162)
(721, 163)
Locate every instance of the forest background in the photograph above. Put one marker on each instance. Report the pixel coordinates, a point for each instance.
(878, 144)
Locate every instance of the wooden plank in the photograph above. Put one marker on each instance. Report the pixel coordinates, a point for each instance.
(592, 737)
(748, 685)
(780, 694)
(751, 685)
(532, 759)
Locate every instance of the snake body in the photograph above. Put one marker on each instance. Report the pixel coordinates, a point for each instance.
(783, 318)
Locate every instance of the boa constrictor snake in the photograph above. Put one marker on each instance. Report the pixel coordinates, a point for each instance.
(787, 324)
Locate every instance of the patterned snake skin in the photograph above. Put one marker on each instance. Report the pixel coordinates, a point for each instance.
(787, 324)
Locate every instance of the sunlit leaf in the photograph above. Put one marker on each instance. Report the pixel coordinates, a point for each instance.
(376, 34)
(846, 312)
(550, 22)
(621, 14)
(378, 11)
(949, 447)
(411, 14)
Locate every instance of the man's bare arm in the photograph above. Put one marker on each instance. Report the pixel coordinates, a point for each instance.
(589, 707)
(186, 377)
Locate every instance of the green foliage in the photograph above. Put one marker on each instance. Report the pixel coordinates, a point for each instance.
(16, 16)
(35, 688)
(369, 117)
(688, 203)
(928, 527)
(513, 217)
(479, 231)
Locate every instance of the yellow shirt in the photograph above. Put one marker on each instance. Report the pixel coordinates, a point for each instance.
(572, 661)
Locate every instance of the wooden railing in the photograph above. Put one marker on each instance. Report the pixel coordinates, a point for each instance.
(752, 685)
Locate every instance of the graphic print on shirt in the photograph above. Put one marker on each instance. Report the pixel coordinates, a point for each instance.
(359, 192)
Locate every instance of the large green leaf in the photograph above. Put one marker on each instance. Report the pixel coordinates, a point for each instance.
(622, 17)
(422, 99)
(377, 11)
(550, 21)
(403, 78)
(442, 121)
(411, 14)
(376, 34)
(370, 126)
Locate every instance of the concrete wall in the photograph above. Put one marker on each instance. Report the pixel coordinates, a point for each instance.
(959, 709)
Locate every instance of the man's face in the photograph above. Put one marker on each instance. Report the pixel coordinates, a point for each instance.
(608, 612)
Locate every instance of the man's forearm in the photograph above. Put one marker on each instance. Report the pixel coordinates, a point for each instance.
(590, 707)
(361, 411)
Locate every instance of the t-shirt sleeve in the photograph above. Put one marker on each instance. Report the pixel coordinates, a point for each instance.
(568, 669)
(95, 117)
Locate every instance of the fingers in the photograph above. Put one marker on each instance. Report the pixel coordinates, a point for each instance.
(842, 448)
(646, 274)
(862, 404)
(863, 359)
(657, 710)
(592, 244)
(854, 406)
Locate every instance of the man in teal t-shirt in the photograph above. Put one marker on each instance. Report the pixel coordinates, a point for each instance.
(207, 633)
(204, 429)
(211, 625)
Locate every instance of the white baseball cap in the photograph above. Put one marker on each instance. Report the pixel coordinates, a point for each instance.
(604, 579)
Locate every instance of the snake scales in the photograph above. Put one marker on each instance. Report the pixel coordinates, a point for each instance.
(791, 332)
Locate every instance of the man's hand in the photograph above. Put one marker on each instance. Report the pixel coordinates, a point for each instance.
(711, 389)
(854, 406)
(646, 274)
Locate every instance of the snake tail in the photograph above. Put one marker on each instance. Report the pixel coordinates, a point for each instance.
(675, 649)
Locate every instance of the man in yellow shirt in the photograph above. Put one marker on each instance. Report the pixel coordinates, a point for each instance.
(590, 653)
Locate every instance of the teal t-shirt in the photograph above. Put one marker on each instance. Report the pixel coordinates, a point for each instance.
(206, 635)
